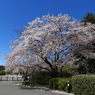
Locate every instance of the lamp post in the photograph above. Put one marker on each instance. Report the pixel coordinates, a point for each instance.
(68, 85)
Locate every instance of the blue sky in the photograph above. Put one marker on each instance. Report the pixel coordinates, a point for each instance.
(14, 14)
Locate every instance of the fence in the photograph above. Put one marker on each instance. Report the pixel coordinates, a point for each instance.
(10, 78)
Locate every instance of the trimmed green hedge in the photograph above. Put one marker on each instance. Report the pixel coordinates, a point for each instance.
(83, 84)
(59, 84)
(53, 83)
(41, 77)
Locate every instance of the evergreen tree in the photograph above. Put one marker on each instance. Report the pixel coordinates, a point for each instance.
(90, 17)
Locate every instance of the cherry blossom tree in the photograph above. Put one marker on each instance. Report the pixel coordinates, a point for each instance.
(44, 44)
(83, 39)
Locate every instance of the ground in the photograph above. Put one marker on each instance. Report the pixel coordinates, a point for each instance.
(11, 88)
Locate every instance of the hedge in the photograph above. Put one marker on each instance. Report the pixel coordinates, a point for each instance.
(59, 84)
(41, 77)
(83, 84)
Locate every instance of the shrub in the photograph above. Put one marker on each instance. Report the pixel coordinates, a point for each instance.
(59, 84)
(41, 77)
(62, 84)
(2, 72)
(53, 83)
(83, 84)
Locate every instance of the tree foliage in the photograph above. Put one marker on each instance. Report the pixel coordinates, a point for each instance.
(90, 17)
(2, 67)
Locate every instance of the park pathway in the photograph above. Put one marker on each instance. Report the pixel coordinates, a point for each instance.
(11, 88)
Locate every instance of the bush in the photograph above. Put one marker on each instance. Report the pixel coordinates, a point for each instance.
(83, 84)
(53, 83)
(2, 72)
(59, 84)
(41, 77)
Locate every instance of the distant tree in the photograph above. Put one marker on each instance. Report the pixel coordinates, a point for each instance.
(2, 70)
(2, 67)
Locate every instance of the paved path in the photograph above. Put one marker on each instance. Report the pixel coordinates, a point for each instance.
(10, 88)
